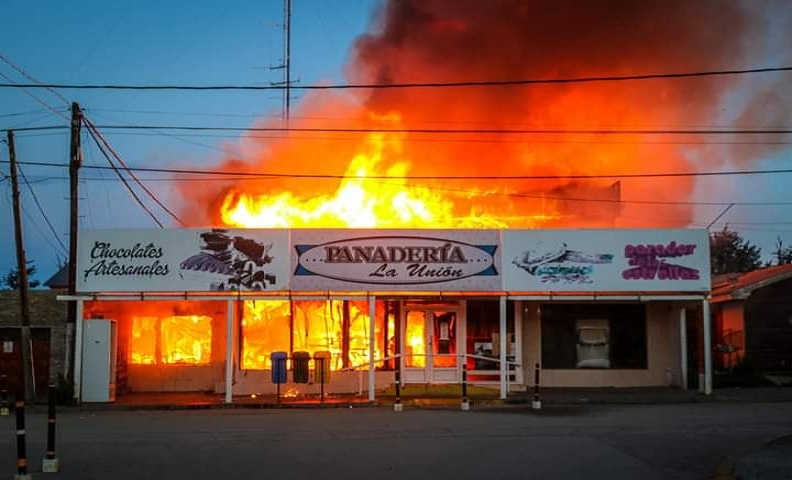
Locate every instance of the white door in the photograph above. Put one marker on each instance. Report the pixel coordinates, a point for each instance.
(431, 340)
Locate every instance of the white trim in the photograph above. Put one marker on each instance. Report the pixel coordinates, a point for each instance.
(605, 297)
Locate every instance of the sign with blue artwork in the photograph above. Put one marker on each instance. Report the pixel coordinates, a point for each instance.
(647, 260)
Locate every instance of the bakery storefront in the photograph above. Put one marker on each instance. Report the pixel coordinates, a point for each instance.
(205, 309)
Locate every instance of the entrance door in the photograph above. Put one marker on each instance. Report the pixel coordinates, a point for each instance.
(430, 343)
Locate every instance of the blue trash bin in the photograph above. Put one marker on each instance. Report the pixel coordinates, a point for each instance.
(278, 367)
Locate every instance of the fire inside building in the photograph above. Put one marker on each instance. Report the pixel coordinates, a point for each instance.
(208, 309)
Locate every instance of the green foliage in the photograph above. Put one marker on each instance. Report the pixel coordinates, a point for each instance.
(11, 279)
(783, 255)
(730, 253)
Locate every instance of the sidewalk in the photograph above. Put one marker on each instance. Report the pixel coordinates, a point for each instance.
(449, 396)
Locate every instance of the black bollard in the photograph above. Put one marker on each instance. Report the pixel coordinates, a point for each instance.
(536, 404)
(50, 462)
(397, 405)
(22, 473)
(465, 402)
(5, 409)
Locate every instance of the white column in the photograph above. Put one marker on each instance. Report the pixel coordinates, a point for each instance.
(229, 372)
(77, 353)
(504, 368)
(683, 353)
(705, 312)
(372, 340)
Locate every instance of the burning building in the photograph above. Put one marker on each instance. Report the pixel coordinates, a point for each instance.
(209, 309)
(413, 229)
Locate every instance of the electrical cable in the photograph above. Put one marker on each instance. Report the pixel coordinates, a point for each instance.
(465, 84)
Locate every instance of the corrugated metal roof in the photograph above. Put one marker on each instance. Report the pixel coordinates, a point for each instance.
(740, 285)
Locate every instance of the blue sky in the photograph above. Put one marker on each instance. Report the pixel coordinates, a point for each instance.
(213, 43)
(148, 42)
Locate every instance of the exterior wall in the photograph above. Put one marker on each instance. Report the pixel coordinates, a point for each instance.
(663, 359)
(46, 312)
(259, 382)
(768, 325)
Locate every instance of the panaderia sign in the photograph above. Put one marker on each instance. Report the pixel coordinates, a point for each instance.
(461, 260)
(311, 260)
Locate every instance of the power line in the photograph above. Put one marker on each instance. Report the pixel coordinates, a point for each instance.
(492, 131)
(95, 133)
(41, 211)
(232, 175)
(123, 180)
(349, 86)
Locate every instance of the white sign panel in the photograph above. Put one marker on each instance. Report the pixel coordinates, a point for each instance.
(187, 260)
(606, 260)
(433, 260)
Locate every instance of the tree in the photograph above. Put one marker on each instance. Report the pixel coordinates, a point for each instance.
(11, 279)
(782, 254)
(730, 253)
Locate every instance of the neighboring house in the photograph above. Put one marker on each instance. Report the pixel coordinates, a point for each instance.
(48, 335)
(752, 319)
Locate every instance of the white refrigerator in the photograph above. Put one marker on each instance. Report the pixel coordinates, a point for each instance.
(99, 360)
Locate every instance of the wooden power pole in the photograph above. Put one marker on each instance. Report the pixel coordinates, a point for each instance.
(75, 161)
(24, 301)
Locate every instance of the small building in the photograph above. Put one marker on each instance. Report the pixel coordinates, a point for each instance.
(209, 309)
(752, 319)
(48, 341)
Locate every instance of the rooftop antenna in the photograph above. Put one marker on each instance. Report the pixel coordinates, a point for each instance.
(286, 65)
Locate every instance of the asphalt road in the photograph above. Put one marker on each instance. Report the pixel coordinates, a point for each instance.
(679, 441)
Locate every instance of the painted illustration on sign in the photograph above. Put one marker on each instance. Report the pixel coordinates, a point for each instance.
(652, 262)
(560, 264)
(395, 260)
(229, 262)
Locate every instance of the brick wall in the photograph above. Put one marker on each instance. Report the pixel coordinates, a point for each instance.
(45, 311)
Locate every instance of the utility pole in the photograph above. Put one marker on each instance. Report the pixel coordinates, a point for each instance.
(24, 301)
(75, 160)
(287, 59)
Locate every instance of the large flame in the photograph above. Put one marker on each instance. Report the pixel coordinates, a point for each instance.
(373, 192)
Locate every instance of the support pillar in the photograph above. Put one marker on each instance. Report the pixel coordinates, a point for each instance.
(706, 320)
(683, 353)
(504, 367)
(229, 370)
(372, 311)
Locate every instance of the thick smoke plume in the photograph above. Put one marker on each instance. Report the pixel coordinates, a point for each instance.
(473, 40)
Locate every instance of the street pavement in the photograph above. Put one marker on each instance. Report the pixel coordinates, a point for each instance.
(601, 441)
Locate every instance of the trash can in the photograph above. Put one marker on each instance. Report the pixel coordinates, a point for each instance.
(278, 367)
(300, 366)
(322, 367)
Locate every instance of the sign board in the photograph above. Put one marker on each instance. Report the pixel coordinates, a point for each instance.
(418, 260)
(186, 260)
(606, 260)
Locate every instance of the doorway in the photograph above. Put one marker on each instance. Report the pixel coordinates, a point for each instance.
(431, 342)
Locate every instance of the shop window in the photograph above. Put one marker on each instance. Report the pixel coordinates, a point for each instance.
(265, 329)
(483, 334)
(340, 327)
(594, 336)
(173, 340)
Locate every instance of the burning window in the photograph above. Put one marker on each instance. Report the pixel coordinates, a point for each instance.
(265, 329)
(173, 340)
(340, 327)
